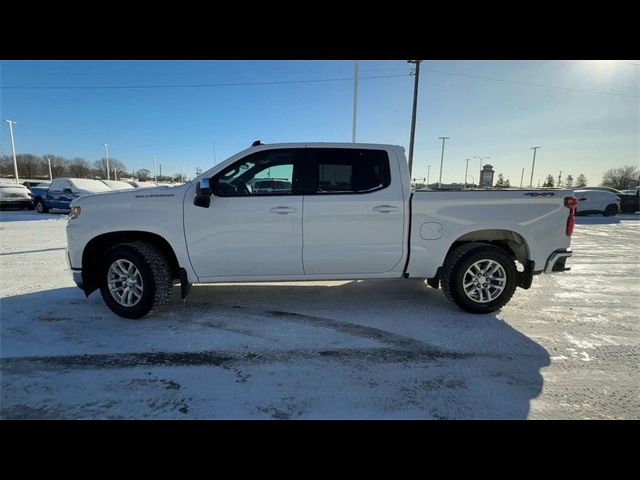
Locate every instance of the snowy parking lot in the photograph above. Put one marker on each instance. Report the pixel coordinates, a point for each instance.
(567, 348)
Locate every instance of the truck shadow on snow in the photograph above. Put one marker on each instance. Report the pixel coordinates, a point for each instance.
(359, 349)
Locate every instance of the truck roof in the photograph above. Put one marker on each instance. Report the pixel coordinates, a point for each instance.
(326, 145)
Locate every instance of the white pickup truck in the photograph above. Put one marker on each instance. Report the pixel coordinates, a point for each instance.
(323, 211)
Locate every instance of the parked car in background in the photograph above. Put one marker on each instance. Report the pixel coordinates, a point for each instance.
(32, 183)
(137, 184)
(14, 195)
(117, 185)
(628, 201)
(62, 191)
(597, 201)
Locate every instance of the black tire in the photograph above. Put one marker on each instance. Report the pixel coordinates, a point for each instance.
(610, 211)
(457, 263)
(40, 206)
(155, 271)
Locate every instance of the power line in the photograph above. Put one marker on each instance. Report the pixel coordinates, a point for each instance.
(201, 85)
(530, 83)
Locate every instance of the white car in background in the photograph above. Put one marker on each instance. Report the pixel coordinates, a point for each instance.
(15, 195)
(597, 201)
(137, 184)
(117, 185)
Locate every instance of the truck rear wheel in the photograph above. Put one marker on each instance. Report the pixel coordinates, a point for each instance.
(479, 278)
(135, 278)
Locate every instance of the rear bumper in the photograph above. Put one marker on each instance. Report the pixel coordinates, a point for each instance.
(21, 203)
(557, 260)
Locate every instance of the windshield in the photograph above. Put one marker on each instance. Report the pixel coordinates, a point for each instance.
(89, 185)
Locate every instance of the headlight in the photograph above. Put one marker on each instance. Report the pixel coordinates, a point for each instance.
(75, 213)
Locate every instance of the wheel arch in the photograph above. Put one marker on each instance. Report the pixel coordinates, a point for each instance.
(98, 246)
(510, 241)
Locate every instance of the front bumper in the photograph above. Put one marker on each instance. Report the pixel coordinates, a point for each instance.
(77, 277)
(556, 261)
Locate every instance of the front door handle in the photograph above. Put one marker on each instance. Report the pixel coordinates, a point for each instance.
(385, 209)
(282, 210)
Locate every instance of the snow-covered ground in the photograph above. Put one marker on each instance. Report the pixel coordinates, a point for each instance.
(567, 348)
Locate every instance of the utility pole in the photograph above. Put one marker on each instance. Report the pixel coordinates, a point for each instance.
(560, 178)
(441, 160)
(160, 171)
(535, 149)
(155, 177)
(413, 115)
(466, 170)
(115, 174)
(355, 101)
(49, 161)
(13, 147)
(106, 152)
(428, 172)
(215, 160)
(521, 177)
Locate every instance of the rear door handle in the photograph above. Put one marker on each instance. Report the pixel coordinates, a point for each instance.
(282, 210)
(385, 209)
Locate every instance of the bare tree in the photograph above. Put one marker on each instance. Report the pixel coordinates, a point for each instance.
(550, 182)
(620, 178)
(6, 165)
(79, 168)
(100, 167)
(58, 165)
(28, 165)
(143, 174)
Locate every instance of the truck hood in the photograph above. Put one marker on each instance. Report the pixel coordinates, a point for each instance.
(118, 198)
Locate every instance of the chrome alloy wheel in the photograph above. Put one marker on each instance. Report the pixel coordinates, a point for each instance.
(125, 283)
(484, 281)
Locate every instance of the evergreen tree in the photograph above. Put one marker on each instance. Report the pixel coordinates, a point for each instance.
(581, 181)
(550, 182)
(568, 181)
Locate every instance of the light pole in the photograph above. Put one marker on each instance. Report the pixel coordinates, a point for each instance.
(521, 177)
(13, 147)
(106, 153)
(466, 170)
(428, 172)
(355, 101)
(533, 165)
(155, 177)
(49, 161)
(413, 114)
(481, 159)
(441, 160)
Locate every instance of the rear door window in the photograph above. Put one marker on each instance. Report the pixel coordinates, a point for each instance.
(348, 170)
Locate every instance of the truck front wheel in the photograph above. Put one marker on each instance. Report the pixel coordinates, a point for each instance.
(135, 278)
(479, 278)
(40, 206)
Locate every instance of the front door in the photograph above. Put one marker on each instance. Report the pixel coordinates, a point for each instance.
(253, 226)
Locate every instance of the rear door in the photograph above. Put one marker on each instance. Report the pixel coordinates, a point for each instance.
(353, 212)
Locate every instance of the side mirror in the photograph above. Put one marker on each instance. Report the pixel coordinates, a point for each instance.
(203, 194)
(67, 190)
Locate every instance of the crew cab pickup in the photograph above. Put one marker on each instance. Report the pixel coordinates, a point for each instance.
(341, 211)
